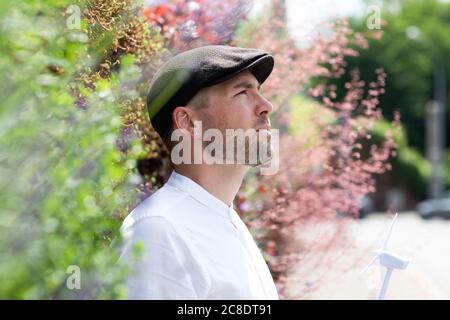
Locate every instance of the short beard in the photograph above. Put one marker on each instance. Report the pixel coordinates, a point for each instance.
(256, 149)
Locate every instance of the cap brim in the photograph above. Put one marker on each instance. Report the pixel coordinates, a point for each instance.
(260, 68)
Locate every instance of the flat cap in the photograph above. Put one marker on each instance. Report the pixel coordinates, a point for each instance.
(184, 75)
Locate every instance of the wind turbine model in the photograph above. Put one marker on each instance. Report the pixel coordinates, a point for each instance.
(388, 260)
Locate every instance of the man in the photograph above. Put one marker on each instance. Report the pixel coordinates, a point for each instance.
(195, 246)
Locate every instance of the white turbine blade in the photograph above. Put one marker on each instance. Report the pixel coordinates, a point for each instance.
(384, 284)
(386, 240)
(370, 264)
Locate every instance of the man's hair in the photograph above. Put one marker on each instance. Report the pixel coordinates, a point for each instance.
(199, 101)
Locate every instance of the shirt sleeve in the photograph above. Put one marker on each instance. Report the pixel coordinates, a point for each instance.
(165, 269)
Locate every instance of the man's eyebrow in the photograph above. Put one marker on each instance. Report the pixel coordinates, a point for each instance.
(246, 84)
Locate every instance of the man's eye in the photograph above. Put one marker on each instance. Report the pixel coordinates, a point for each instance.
(244, 91)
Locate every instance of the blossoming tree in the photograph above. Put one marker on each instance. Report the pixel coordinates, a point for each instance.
(325, 170)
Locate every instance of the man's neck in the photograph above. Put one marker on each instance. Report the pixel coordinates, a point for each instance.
(222, 181)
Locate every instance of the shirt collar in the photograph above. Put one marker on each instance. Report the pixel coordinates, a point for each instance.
(197, 192)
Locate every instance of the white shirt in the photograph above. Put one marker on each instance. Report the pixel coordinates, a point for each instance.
(195, 247)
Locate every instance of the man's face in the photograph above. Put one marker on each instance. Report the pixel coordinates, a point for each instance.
(238, 104)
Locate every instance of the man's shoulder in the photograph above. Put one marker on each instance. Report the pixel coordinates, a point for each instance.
(160, 204)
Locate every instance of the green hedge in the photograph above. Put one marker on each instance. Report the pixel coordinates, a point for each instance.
(64, 186)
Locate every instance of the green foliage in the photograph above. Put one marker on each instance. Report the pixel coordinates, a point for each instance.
(64, 184)
(303, 112)
(414, 43)
(447, 165)
(410, 169)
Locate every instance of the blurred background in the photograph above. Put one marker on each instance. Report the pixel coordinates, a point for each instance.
(413, 49)
(360, 91)
(414, 52)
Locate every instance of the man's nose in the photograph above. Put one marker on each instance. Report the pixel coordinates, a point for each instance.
(263, 106)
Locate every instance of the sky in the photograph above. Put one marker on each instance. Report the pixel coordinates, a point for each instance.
(305, 16)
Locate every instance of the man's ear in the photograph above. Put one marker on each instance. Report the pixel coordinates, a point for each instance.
(182, 118)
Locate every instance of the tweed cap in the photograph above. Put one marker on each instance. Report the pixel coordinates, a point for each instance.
(184, 75)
